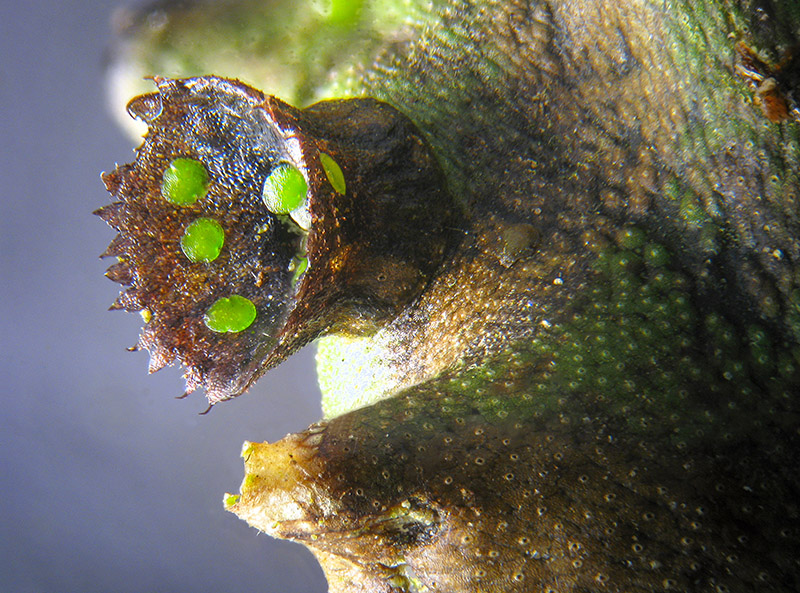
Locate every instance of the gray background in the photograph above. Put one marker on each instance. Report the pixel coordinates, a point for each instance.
(107, 482)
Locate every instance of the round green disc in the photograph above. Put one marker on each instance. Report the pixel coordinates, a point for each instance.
(284, 189)
(202, 240)
(231, 314)
(185, 181)
(333, 171)
(345, 13)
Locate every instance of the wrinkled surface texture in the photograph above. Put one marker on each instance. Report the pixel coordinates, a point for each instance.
(597, 390)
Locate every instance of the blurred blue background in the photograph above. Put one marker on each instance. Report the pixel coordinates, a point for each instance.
(107, 483)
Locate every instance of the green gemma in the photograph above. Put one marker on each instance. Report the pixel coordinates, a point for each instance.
(232, 314)
(345, 13)
(185, 181)
(202, 240)
(300, 265)
(334, 172)
(285, 189)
